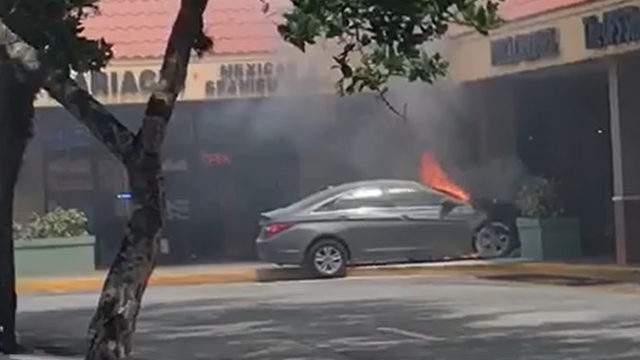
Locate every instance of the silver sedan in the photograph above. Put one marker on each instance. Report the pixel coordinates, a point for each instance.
(380, 221)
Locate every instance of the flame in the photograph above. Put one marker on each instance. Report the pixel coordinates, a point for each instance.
(432, 175)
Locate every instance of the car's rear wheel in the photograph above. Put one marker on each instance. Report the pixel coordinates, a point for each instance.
(494, 240)
(327, 258)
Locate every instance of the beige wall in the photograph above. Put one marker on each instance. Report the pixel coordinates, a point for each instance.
(470, 55)
(289, 68)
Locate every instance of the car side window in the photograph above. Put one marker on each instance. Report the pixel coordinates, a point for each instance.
(413, 197)
(359, 198)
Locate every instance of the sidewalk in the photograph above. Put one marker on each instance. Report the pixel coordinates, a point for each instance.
(257, 272)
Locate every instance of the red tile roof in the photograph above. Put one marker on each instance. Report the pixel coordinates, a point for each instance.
(140, 28)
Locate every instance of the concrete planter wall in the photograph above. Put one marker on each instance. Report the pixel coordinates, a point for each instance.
(55, 256)
(550, 239)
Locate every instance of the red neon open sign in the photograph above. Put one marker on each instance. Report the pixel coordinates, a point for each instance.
(215, 159)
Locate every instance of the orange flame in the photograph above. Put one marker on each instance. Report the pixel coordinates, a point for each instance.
(432, 175)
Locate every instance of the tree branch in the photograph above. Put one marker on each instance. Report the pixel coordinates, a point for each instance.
(91, 113)
(186, 34)
(84, 107)
(381, 93)
(18, 50)
(402, 115)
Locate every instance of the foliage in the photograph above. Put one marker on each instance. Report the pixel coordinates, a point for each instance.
(388, 37)
(18, 230)
(539, 198)
(54, 28)
(58, 223)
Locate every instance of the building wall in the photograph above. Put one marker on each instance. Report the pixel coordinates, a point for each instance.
(570, 36)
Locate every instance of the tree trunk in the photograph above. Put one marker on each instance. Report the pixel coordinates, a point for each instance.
(113, 325)
(114, 322)
(16, 113)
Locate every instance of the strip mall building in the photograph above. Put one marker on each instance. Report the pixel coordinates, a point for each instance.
(558, 87)
(238, 144)
(554, 87)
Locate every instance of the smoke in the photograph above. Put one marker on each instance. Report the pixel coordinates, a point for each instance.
(444, 118)
(357, 137)
(498, 178)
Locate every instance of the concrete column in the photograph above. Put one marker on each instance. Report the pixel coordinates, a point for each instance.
(624, 78)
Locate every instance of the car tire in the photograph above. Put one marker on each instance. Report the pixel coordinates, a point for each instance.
(327, 258)
(494, 240)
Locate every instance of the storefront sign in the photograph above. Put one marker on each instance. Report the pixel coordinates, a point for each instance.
(124, 83)
(620, 26)
(116, 83)
(247, 79)
(526, 47)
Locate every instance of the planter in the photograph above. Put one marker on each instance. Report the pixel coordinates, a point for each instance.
(550, 239)
(55, 256)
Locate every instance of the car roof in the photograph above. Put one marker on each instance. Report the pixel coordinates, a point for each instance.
(331, 191)
(377, 182)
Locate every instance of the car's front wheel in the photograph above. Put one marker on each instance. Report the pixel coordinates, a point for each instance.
(327, 258)
(494, 240)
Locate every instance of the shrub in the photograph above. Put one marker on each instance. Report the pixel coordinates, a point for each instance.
(58, 223)
(18, 230)
(539, 198)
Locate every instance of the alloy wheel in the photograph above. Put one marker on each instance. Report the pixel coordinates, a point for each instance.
(328, 260)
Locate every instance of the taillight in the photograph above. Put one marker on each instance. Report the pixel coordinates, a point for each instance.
(276, 228)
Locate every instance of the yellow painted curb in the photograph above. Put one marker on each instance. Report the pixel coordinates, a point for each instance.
(249, 274)
(58, 285)
(77, 284)
(608, 272)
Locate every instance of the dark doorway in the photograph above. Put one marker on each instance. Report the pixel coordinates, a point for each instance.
(239, 174)
(563, 133)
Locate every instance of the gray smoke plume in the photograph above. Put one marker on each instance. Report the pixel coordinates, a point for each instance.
(357, 137)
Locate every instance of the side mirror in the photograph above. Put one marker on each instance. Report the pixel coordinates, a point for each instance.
(447, 207)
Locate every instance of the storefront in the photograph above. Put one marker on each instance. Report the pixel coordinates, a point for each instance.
(558, 86)
(249, 135)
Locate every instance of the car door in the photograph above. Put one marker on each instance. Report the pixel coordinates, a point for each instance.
(365, 220)
(429, 230)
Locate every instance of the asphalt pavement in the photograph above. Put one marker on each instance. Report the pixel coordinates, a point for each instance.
(383, 318)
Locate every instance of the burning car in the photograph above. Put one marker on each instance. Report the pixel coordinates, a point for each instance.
(381, 221)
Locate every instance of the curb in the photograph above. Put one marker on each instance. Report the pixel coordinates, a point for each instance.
(619, 274)
(94, 283)
(603, 272)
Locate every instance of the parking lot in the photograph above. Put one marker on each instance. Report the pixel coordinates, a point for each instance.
(356, 318)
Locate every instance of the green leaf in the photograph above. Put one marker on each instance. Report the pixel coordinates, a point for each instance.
(388, 34)
(346, 70)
